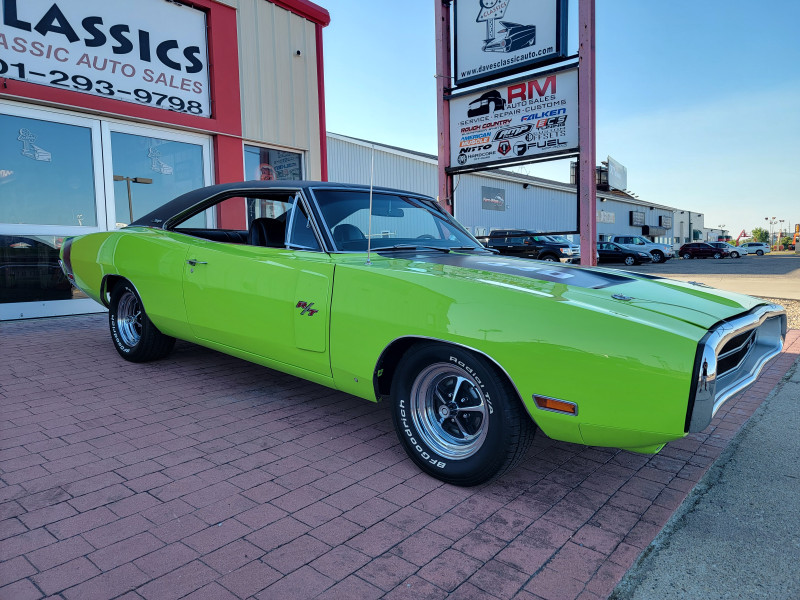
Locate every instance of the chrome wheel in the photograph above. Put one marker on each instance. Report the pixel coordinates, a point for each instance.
(129, 319)
(449, 410)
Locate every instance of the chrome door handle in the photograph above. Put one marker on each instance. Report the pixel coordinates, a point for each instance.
(194, 262)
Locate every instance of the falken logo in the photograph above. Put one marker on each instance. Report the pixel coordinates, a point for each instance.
(512, 132)
(307, 310)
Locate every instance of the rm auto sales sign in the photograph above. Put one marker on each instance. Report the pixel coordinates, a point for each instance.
(148, 52)
(518, 121)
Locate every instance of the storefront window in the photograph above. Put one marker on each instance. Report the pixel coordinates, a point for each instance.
(46, 173)
(264, 164)
(29, 270)
(149, 172)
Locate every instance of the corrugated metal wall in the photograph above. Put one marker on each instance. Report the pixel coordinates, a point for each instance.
(622, 226)
(280, 103)
(350, 162)
(537, 208)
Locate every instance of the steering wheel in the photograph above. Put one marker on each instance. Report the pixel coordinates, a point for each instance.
(426, 236)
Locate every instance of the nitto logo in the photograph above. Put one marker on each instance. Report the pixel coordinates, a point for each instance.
(307, 310)
(512, 132)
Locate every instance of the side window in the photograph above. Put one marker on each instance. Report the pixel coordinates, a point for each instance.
(302, 233)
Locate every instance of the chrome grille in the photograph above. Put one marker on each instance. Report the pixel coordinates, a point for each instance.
(734, 352)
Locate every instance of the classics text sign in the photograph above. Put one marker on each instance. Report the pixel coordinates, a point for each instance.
(515, 122)
(150, 52)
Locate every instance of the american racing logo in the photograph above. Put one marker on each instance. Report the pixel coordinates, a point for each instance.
(307, 310)
(512, 132)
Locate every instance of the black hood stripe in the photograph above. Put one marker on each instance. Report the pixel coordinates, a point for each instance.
(521, 267)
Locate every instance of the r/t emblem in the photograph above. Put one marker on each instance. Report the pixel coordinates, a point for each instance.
(306, 306)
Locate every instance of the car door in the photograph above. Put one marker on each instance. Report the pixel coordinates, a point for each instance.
(271, 302)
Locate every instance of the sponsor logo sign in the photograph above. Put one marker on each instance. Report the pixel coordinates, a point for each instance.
(524, 120)
(493, 198)
(148, 52)
(494, 38)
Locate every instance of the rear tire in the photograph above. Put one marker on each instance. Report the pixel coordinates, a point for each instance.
(457, 418)
(133, 333)
(759, 253)
(686, 256)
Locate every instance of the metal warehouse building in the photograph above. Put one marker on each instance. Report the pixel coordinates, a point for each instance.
(498, 199)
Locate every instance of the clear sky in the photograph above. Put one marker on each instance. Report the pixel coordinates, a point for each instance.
(699, 99)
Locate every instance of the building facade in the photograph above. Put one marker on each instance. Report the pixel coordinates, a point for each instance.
(109, 108)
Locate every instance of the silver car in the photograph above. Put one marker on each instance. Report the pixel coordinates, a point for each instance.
(757, 248)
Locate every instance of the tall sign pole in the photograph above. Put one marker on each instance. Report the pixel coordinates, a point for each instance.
(443, 84)
(587, 189)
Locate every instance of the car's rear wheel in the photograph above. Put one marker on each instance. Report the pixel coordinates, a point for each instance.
(759, 253)
(135, 336)
(456, 416)
(658, 256)
(687, 256)
(630, 261)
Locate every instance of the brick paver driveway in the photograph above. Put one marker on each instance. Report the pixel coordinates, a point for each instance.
(203, 476)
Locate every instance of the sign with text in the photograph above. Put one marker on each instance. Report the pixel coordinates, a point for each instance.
(637, 219)
(493, 198)
(149, 52)
(515, 122)
(495, 38)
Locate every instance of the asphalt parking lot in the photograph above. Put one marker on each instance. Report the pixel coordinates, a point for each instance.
(775, 275)
(203, 477)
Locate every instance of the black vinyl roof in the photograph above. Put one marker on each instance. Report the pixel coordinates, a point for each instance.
(201, 198)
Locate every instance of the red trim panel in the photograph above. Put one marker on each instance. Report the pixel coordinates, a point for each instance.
(323, 129)
(306, 9)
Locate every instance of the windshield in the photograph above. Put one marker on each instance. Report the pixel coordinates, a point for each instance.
(396, 221)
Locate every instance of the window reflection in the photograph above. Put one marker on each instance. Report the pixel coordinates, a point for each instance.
(29, 270)
(46, 173)
(149, 172)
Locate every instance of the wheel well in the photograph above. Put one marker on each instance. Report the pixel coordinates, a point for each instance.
(393, 353)
(107, 287)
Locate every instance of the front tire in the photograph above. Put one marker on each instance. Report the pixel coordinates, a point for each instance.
(550, 258)
(717, 255)
(133, 333)
(457, 418)
(658, 256)
(734, 255)
(630, 261)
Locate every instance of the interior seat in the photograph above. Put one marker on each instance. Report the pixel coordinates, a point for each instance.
(267, 232)
(345, 232)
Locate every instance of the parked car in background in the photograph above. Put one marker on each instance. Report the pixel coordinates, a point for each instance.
(381, 294)
(757, 248)
(614, 253)
(734, 251)
(529, 244)
(702, 250)
(658, 252)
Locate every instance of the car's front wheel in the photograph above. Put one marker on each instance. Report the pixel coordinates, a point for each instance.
(658, 256)
(717, 255)
(135, 336)
(549, 258)
(456, 416)
(630, 261)
(734, 255)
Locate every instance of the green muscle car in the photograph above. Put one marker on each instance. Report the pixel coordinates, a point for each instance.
(381, 294)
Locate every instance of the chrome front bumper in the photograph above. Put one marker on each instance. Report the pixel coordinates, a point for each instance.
(730, 358)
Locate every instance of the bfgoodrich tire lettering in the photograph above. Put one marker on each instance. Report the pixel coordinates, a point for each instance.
(133, 333)
(457, 417)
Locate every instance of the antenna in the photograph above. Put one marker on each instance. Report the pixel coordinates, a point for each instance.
(369, 227)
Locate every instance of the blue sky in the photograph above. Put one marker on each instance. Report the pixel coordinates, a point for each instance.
(699, 99)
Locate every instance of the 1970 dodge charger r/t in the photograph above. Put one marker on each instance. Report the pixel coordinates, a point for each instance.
(381, 294)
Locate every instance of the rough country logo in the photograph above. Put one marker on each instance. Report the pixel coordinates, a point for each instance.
(515, 35)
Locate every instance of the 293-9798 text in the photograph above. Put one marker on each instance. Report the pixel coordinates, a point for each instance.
(101, 87)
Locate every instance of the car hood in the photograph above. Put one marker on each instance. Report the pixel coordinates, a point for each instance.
(606, 290)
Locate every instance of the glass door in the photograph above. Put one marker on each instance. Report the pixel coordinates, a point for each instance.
(148, 167)
(51, 187)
